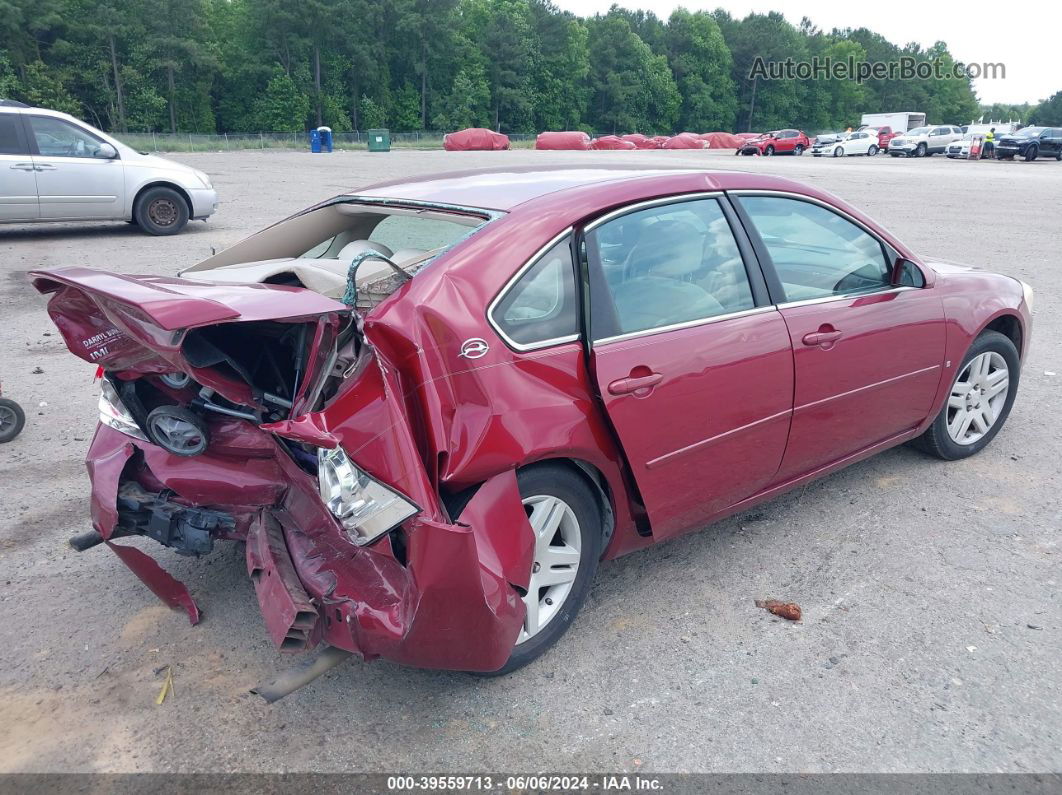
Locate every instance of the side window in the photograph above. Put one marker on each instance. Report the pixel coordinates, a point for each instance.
(816, 252)
(58, 138)
(11, 135)
(661, 266)
(542, 304)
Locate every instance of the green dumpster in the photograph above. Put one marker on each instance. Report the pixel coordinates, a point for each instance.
(379, 140)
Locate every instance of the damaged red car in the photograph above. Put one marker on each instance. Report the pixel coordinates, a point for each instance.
(432, 406)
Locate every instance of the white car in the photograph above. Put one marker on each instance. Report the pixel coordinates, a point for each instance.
(861, 142)
(924, 141)
(57, 168)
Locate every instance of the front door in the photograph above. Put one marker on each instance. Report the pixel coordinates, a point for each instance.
(72, 180)
(693, 365)
(18, 184)
(868, 355)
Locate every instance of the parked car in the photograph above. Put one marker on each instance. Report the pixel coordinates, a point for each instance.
(885, 134)
(778, 142)
(1031, 143)
(960, 148)
(924, 141)
(433, 476)
(61, 169)
(860, 142)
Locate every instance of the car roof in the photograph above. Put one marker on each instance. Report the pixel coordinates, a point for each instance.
(508, 187)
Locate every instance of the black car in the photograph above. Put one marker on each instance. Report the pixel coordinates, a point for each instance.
(1031, 143)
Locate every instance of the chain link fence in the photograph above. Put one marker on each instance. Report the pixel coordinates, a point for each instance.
(226, 142)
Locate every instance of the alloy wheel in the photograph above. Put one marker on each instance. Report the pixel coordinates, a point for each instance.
(977, 397)
(558, 550)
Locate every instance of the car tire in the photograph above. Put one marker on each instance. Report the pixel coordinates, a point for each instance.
(1031, 153)
(873, 150)
(12, 420)
(161, 211)
(938, 440)
(769, 151)
(559, 485)
(799, 150)
(838, 151)
(920, 151)
(1059, 155)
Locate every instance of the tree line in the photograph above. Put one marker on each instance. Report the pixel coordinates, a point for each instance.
(513, 65)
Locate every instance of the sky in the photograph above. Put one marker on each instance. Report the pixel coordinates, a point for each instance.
(1025, 39)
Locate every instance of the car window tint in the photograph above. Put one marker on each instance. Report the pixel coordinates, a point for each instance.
(399, 232)
(10, 140)
(816, 252)
(666, 265)
(58, 138)
(541, 305)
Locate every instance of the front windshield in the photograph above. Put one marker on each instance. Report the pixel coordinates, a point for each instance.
(918, 131)
(1029, 132)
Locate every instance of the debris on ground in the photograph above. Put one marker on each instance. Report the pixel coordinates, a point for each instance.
(37, 371)
(787, 610)
(167, 686)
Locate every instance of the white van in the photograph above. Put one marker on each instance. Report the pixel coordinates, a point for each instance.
(57, 168)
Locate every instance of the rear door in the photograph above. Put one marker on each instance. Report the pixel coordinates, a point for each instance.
(72, 181)
(18, 184)
(868, 356)
(693, 364)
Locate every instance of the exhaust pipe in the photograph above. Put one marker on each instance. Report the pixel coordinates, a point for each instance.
(302, 674)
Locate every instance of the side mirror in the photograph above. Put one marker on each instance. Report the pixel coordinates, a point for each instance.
(906, 274)
(106, 152)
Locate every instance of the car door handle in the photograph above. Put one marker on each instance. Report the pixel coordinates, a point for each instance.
(822, 337)
(624, 386)
(22, 166)
(45, 167)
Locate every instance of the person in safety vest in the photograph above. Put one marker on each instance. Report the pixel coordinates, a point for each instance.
(989, 150)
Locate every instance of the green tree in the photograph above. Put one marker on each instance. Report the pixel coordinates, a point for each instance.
(1048, 112)
(701, 63)
(282, 107)
(468, 102)
(561, 68)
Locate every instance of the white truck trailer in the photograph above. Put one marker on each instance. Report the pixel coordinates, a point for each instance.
(899, 122)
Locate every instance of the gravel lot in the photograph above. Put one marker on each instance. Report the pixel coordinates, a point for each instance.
(932, 622)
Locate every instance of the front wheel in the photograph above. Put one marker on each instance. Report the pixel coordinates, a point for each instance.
(161, 211)
(920, 151)
(12, 420)
(873, 150)
(838, 151)
(799, 150)
(566, 520)
(979, 401)
(769, 151)
(1031, 153)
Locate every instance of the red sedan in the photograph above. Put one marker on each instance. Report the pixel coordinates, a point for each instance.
(432, 406)
(778, 142)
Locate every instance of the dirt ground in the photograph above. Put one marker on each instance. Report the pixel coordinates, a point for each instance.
(932, 621)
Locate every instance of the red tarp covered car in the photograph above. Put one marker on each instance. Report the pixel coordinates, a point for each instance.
(611, 142)
(475, 139)
(722, 140)
(684, 141)
(427, 457)
(641, 141)
(569, 139)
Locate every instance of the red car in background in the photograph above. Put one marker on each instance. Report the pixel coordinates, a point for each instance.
(777, 142)
(398, 400)
(885, 134)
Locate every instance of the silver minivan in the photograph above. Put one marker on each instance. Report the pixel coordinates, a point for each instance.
(54, 167)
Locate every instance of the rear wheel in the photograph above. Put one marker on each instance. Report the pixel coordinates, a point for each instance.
(566, 519)
(798, 150)
(979, 401)
(1031, 153)
(161, 211)
(12, 420)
